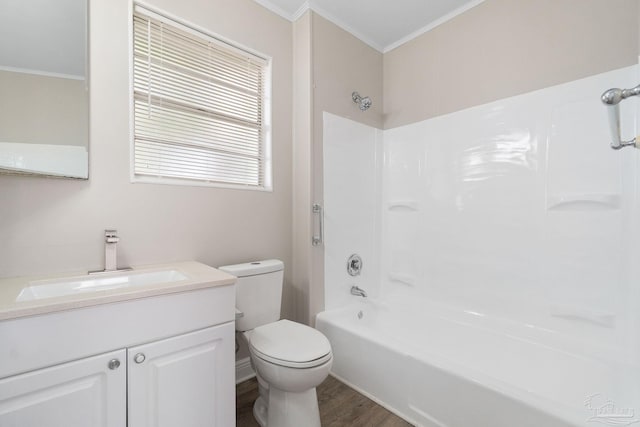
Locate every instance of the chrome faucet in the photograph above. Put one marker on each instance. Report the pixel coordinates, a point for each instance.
(110, 241)
(358, 292)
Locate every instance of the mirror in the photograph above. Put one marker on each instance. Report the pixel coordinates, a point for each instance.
(44, 88)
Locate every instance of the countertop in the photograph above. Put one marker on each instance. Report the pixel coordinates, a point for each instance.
(199, 275)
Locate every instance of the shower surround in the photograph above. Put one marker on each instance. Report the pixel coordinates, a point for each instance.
(498, 245)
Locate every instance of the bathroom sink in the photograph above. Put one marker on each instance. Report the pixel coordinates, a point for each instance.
(42, 289)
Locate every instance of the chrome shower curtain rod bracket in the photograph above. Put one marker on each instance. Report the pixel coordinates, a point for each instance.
(612, 98)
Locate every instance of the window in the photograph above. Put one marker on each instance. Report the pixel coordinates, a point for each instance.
(200, 108)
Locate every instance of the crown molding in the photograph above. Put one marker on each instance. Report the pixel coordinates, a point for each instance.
(449, 16)
(301, 11)
(313, 5)
(275, 9)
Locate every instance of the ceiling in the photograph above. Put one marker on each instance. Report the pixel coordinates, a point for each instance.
(382, 24)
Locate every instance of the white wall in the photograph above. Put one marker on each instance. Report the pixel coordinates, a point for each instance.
(352, 183)
(52, 225)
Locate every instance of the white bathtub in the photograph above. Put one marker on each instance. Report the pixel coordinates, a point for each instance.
(437, 366)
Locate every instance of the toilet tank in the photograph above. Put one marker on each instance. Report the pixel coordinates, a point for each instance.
(258, 292)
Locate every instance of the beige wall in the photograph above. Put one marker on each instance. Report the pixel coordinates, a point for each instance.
(341, 64)
(39, 109)
(302, 144)
(502, 48)
(52, 225)
(498, 49)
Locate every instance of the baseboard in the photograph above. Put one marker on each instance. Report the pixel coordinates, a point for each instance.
(244, 371)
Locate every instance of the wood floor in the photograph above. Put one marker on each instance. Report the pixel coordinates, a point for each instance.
(340, 406)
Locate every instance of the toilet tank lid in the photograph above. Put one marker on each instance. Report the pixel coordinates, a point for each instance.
(253, 268)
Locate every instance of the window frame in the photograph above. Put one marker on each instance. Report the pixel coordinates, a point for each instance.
(267, 152)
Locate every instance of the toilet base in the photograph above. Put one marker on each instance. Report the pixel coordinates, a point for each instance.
(260, 412)
(289, 409)
(296, 407)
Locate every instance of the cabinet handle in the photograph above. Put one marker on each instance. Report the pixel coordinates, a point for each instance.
(139, 358)
(114, 364)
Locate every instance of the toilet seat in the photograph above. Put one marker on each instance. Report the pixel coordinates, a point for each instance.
(290, 344)
(290, 364)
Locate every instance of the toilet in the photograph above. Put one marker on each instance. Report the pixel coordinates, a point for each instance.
(290, 359)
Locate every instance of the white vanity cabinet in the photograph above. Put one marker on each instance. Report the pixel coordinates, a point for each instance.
(183, 381)
(161, 361)
(85, 392)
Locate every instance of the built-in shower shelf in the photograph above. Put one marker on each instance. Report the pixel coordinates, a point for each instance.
(407, 279)
(403, 206)
(584, 202)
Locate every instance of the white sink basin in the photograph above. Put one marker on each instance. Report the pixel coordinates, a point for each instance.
(42, 289)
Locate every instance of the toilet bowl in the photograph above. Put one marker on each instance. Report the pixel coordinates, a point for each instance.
(290, 359)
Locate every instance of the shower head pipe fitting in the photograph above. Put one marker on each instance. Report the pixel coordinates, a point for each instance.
(363, 103)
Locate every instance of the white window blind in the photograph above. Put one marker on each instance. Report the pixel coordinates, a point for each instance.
(199, 107)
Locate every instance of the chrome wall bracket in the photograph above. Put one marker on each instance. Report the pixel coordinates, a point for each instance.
(611, 99)
(318, 239)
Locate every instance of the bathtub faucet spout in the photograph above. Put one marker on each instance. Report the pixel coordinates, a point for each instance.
(358, 292)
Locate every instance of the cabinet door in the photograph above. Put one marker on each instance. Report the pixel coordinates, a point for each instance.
(186, 380)
(85, 392)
